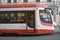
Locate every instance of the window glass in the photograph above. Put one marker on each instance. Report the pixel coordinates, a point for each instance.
(21, 17)
(1, 17)
(25, 0)
(31, 19)
(12, 17)
(45, 17)
(8, 1)
(11, 1)
(37, 0)
(0, 2)
(14, 1)
(48, 0)
(6, 15)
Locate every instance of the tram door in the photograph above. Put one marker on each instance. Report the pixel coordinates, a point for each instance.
(31, 21)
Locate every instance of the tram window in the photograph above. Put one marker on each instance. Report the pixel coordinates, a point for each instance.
(6, 15)
(21, 17)
(14, 1)
(12, 17)
(45, 17)
(9, 1)
(1, 16)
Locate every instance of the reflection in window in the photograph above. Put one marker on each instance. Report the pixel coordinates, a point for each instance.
(49, 0)
(37, 0)
(6, 15)
(21, 17)
(14, 1)
(0, 1)
(45, 17)
(31, 19)
(1, 17)
(11, 1)
(12, 17)
(8, 1)
(25, 0)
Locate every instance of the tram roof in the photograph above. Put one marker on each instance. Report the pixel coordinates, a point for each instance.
(21, 5)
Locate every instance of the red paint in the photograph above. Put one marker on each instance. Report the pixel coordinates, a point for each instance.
(21, 5)
(44, 31)
(25, 32)
(46, 24)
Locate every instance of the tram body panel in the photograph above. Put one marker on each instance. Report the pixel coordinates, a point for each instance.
(13, 26)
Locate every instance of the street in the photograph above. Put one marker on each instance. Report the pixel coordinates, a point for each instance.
(54, 36)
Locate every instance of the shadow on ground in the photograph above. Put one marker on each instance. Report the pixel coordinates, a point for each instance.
(15, 35)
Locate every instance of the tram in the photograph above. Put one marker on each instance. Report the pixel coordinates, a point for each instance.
(26, 19)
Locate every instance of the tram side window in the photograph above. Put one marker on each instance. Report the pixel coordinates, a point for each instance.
(18, 17)
(9, 1)
(21, 17)
(4, 18)
(14, 1)
(1, 17)
(12, 17)
(45, 17)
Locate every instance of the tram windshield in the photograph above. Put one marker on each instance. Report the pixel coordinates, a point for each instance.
(45, 16)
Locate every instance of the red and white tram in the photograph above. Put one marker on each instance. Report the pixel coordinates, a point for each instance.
(26, 19)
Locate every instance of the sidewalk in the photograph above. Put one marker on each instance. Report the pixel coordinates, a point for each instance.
(56, 29)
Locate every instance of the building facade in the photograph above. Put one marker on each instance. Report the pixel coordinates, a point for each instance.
(27, 1)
